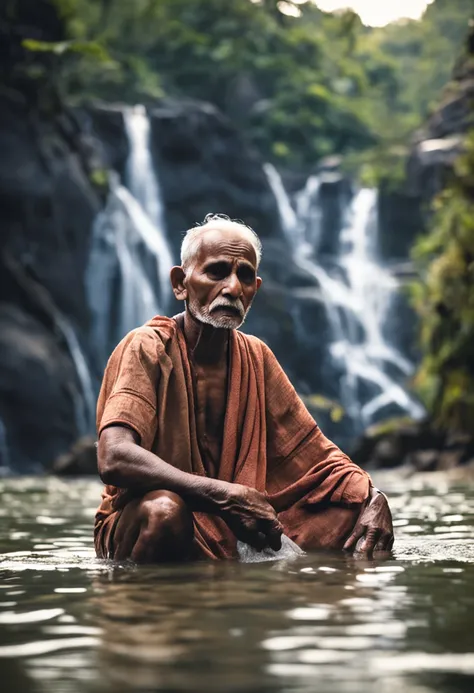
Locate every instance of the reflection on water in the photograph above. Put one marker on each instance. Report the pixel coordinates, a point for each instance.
(324, 622)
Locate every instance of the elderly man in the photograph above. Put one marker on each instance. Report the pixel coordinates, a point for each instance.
(204, 441)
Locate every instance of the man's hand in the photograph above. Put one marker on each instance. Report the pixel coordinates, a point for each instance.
(250, 516)
(374, 526)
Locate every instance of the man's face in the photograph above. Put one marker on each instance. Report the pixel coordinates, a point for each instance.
(222, 281)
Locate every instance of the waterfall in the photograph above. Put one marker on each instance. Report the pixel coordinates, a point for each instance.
(357, 292)
(84, 401)
(130, 259)
(309, 215)
(121, 276)
(143, 183)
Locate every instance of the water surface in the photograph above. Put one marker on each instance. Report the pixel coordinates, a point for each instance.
(325, 622)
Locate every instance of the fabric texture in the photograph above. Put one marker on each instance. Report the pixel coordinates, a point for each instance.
(270, 440)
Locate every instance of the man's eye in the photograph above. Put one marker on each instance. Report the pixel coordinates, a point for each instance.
(246, 275)
(218, 271)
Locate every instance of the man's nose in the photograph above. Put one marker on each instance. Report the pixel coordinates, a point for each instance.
(233, 287)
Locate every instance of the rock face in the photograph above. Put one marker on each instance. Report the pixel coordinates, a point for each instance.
(439, 142)
(401, 221)
(37, 382)
(47, 205)
(205, 166)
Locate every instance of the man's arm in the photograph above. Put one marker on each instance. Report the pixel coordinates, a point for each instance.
(329, 474)
(125, 464)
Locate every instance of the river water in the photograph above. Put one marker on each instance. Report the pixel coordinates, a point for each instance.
(324, 622)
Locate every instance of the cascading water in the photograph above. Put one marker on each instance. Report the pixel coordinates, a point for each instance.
(143, 183)
(357, 293)
(128, 272)
(121, 276)
(84, 401)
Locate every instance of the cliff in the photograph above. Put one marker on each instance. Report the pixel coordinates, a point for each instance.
(437, 145)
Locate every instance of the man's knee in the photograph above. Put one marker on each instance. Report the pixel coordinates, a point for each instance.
(164, 512)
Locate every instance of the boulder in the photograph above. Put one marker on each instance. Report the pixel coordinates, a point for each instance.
(423, 460)
(417, 445)
(79, 460)
(38, 391)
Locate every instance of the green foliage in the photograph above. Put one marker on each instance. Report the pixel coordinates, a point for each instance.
(388, 427)
(87, 48)
(320, 403)
(99, 178)
(425, 53)
(444, 300)
(301, 87)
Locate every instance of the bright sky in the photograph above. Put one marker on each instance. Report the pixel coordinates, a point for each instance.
(378, 12)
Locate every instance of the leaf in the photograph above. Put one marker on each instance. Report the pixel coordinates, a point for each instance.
(89, 48)
(336, 411)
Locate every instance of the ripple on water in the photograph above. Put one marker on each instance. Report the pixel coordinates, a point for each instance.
(37, 616)
(39, 647)
(78, 624)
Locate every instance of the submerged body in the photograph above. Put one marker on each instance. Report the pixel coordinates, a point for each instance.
(203, 440)
(269, 441)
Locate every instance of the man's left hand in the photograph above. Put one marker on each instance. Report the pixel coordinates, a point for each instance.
(374, 526)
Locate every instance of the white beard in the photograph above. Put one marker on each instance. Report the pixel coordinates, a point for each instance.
(219, 321)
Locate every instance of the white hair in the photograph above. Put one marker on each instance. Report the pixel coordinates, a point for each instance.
(192, 240)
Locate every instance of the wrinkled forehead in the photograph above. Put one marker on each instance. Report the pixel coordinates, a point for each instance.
(232, 244)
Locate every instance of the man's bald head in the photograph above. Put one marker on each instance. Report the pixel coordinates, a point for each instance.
(215, 222)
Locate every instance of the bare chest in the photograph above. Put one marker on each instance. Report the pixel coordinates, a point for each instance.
(211, 400)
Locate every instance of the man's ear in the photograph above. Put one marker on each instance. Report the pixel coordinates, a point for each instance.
(177, 277)
(259, 282)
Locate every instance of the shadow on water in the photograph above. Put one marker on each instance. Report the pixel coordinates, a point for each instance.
(325, 622)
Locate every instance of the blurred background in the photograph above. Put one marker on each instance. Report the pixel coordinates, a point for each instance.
(345, 140)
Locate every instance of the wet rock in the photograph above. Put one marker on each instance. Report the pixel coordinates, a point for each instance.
(423, 460)
(80, 460)
(389, 444)
(449, 459)
(417, 445)
(205, 166)
(37, 389)
(388, 452)
(105, 124)
(334, 189)
(47, 204)
(400, 220)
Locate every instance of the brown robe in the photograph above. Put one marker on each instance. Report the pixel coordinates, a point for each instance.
(270, 440)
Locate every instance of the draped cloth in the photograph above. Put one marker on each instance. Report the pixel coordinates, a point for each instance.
(270, 441)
